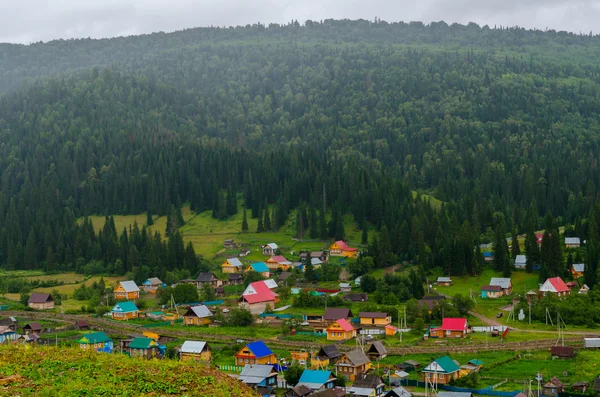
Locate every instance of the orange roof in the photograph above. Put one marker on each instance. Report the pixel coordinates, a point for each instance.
(344, 247)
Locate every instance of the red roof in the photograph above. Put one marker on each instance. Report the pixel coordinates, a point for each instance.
(345, 325)
(278, 259)
(558, 284)
(492, 288)
(263, 293)
(454, 324)
(344, 247)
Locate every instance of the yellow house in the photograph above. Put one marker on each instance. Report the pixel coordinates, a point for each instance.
(195, 351)
(340, 330)
(278, 263)
(255, 353)
(197, 315)
(126, 290)
(353, 364)
(339, 248)
(125, 311)
(375, 318)
(232, 265)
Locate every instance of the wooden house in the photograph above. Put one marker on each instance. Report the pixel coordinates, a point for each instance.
(235, 279)
(278, 262)
(34, 327)
(334, 313)
(317, 380)
(270, 249)
(451, 328)
(126, 290)
(197, 315)
(98, 341)
(444, 281)
(572, 242)
(584, 289)
(195, 351)
(359, 297)
(552, 388)
(152, 284)
(367, 386)
(375, 318)
(340, 248)
(229, 244)
(345, 288)
(398, 392)
(341, 329)
(562, 351)
(441, 371)
(259, 376)
(255, 353)
(555, 286)
(577, 270)
(321, 255)
(352, 364)
(232, 266)
(142, 347)
(7, 334)
(260, 268)
(580, 387)
(257, 297)
(491, 292)
(10, 322)
(470, 367)
(125, 311)
(299, 391)
(488, 256)
(244, 252)
(390, 330)
(520, 262)
(208, 278)
(377, 351)
(504, 283)
(327, 355)
(82, 325)
(40, 301)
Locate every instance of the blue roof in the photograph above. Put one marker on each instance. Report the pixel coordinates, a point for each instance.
(312, 376)
(488, 253)
(260, 267)
(125, 307)
(259, 349)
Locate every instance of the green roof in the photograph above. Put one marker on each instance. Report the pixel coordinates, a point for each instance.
(447, 364)
(94, 337)
(125, 307)
(142, 343)
(476, 362)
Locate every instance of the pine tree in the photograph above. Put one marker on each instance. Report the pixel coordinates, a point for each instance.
(244, 221)
(149, 220)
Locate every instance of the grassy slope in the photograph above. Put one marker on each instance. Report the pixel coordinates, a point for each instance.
(48, 371)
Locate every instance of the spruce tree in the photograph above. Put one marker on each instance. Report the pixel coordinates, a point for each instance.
(30, 255)
(299, 225)
(149, 220)
(260, 227)
(322, 226)
(364, 239)
(267, 220)
(312, 223)
(515, 248)
(244, 221)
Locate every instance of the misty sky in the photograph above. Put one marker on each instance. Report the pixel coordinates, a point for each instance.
(25, 21)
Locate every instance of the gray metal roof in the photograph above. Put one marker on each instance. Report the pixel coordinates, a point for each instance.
(453, 394)
(201, 311)
(444, 280)
(579, 267)
(591, 342)
(572, 240)
(129, 286)
(521, 259)
(192, 346)
(360, 391)
(401, 392)
(501, 282)
(255, 373)
(235, 262)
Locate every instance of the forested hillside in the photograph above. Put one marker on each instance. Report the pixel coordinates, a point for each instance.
(330, 118)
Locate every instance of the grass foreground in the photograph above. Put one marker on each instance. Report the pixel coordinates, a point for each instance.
(51, 371)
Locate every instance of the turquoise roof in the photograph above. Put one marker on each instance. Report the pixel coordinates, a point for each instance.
(313, 376)
(142, 343)
(125, 307)
(94, 337)
(476, 362)
(260, 267)
(447, 364)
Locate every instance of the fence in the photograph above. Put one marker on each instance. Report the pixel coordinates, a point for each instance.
(488, 391)
(309, 333)
(164, 323)
(230, 368)
(499, 328)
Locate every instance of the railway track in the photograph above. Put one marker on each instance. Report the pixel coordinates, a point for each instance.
(125, 328)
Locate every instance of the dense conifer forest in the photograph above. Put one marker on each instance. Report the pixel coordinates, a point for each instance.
(327, 118)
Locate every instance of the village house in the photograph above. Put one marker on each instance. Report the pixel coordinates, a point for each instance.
(327, 355)
(398, 392)
(195, 351)
(321, 255)
(577, 270)
(197, 315)
(126, 290)
(232, 266)
(244, 252)
(572, 242)
(270, 249)
(98, 341)
(7, 334)
(580, 387)
(584, 289)
(444, 281)
(375, 318)
(572, 285)
(491, 292)
(341, 329)
(124, 311)
(40, 301)
(82, 325)
(367, 386)
(259, 376)
(317, 380)
(283, 277)
(377, 351)
(28, 338)
(488, 256)
(228, 244)
(520, 262)
(335, 313)
(235, 279)
(552, 388)
(260, 268)
(362, 297)
(257, 296)
(34, 327)
(208, 278)
(441, 371)
(555, 286)
(503, 282)
(390, 330)
(255, 353)
(142, 347)
(345, 288)
(339, 248)
(152, 284)
(451, 328)
(278, 262)
(539, 237)
(316, 263)
(562, 351)
(352, 364)
(299, 391)
(9, 322)
(470, 367)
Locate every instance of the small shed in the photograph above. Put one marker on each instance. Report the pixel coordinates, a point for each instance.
(581, 387)
(591, 343)
(377, 351)
(552, 388)
(562, 351)
(444, 281)
(32, 327)
(82, 325)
